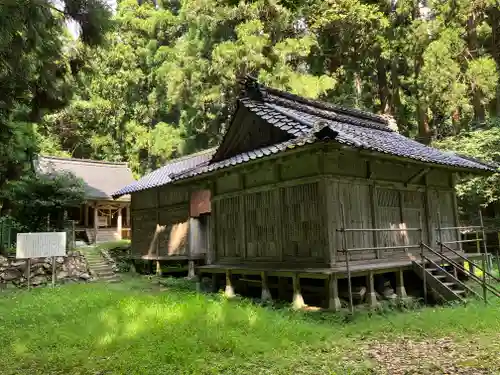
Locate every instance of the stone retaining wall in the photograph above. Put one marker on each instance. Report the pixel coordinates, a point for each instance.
(72, 268)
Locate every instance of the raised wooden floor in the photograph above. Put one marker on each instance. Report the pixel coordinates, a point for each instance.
(168, 257)
(339, 269)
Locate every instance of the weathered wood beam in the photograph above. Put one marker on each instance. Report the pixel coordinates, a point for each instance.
(229, 290)
(191, 270)
(256, 189)
(333, 293)
(417, 176)
(266, 293)
(371, 296)
(298, 300)
(400, 285)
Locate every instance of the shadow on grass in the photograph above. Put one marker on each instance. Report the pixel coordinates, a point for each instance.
(140, 327)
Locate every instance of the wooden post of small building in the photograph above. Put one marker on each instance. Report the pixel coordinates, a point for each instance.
(298, 300)
(96, 222)
(333, 293)
(266, 293)
(229, 290)
(119, 223)
(86, 215)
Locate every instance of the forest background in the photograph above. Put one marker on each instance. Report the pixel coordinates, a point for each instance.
(151, 80)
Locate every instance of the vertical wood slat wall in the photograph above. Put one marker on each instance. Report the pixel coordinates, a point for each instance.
(289, 223)
(160, 221)
(284, 223)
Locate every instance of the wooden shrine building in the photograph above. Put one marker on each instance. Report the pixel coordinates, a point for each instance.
(100, 218)
(170, 222)
(310, 200)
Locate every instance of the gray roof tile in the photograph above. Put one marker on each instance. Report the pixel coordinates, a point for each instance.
(101, 178)
(163, 175)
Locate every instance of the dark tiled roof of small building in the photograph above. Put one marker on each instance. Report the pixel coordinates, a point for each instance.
(354, 128)
(162, 176)
(101, 178)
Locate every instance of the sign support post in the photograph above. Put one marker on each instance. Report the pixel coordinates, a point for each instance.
(28, 270)
(53, 272)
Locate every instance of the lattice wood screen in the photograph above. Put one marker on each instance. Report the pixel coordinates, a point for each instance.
(389, 216)
(304, 234)
(227, 227)
(414, 215)
(261, 225)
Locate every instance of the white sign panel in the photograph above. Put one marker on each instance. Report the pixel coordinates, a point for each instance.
(41, 245)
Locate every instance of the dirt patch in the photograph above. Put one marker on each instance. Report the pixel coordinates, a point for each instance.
(434, 356)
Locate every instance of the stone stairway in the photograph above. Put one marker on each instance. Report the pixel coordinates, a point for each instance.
(99, 268)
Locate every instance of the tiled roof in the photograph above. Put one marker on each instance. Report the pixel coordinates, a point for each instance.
(354, 128)
(101, 178)
(162, 176)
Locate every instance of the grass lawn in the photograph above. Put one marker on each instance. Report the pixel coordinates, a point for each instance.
(138, 327)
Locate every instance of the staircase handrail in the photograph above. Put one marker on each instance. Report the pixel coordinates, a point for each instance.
(490, 287)
(469, 261)
(452, 276)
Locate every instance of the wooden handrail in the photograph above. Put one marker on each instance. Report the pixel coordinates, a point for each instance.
(491, 288)
(453, 277)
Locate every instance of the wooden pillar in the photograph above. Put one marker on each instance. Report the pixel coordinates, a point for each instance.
(159, 271)
(86, 215)
(191, 271)
(266, 293)
(329, 211)
(119, 223)
(127, 213)
(333, 293)
(400, 284)
(229, 291)
(298, 300)
(428, 213)
(374, 216)
(455, 213)
(371, 296)
(96, 222)
(212, 241)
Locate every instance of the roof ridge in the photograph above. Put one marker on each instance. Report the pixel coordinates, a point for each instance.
(84, 161)
(189, 156)
(252, 86)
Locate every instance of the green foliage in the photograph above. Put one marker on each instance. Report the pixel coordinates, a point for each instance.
(35, 198)
(36, 70)
(162, 81)
(485, 145)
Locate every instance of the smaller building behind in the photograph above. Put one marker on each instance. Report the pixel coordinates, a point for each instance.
(100, 218)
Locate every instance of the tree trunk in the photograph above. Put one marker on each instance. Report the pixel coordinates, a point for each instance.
(396, 106)
(383, 86)
(494, 22)
(473, 45)
(424, 129)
